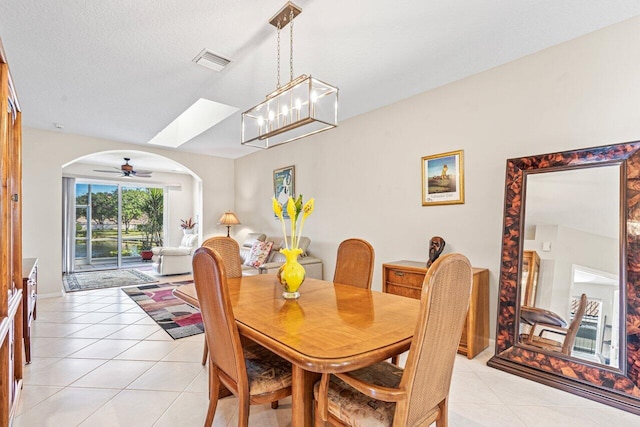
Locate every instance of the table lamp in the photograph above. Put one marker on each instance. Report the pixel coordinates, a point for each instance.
(228, 219)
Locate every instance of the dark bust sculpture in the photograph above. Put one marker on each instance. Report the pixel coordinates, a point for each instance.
(436, 246)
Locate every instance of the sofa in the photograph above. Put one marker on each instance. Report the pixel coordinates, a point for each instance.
(274, 259)
(175, 260)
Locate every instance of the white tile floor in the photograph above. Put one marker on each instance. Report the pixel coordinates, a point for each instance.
(98, 360)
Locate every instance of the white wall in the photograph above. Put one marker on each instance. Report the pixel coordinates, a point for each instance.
(365, 175)
(44, 154)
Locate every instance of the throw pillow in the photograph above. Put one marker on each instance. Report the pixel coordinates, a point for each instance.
(259, 253)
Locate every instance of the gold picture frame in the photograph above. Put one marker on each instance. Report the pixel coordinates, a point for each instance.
(443, 179)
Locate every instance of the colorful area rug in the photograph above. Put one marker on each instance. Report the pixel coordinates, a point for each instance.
(104, 279)
(175, 316)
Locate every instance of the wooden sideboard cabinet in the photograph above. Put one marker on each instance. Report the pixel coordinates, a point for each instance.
(29, 297)
(406, 277)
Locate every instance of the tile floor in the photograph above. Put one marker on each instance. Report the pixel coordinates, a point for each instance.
(99, 360)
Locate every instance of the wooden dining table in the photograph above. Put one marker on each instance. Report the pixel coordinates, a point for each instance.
(330, 328)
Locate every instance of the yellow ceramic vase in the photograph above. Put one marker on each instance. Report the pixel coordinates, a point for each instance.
(291, 274)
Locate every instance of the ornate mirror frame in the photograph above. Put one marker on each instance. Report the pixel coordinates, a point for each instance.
(619, 387)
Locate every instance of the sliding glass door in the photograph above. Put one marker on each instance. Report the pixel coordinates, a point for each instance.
(115, 223)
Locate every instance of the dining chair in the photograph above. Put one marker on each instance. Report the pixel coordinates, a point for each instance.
(565, 345)
(354, 265)
(229, 250)
(252, 373)
(384, 394)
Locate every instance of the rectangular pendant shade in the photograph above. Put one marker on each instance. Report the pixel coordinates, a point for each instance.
(301, 108)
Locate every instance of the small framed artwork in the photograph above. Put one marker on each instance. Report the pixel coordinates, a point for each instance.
(443, 179)
(284, 186)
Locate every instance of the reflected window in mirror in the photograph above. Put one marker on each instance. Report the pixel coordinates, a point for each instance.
(572, 228)
(598, 337)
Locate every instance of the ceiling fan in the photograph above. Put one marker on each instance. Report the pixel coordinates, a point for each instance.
(127, 170)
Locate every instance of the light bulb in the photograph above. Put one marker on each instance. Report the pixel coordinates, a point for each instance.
(271, 115)
(260, 121)
(314, 97)
(298, 104)
(285, 110)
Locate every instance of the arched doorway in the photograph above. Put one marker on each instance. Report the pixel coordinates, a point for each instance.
(113, 212)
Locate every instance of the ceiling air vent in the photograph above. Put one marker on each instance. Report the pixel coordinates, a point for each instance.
(208, 59)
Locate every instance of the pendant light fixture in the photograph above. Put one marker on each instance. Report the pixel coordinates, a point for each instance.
(300, 108)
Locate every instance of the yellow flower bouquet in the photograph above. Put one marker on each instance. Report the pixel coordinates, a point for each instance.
(291, 274)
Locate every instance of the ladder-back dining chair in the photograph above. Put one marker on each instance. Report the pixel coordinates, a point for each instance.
(354, 264)
(252, 373)
(229, 250)
(568, 334)
(384, 394)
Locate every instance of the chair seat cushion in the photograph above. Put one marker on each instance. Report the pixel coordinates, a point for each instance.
(267, 372)
(357, 409)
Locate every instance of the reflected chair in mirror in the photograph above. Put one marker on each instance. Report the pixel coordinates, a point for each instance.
(229, 250)
(567, 335)
(354, 264)
(251, 372)
(417, 394)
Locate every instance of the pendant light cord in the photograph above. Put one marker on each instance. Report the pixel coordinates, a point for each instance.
(291, 46)
(279, 27)
(278, 55)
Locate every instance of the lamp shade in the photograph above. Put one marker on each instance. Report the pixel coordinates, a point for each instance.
(301, 108)
(228, 218)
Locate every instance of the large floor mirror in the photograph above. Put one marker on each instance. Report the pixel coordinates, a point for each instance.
(569, 298)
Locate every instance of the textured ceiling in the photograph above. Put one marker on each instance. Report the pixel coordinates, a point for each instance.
(122, 69)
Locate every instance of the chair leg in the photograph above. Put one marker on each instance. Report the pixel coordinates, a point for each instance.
(274, 404)
(443, 419)
(317, 418)
(211, 379)
(205, 353)
(214, 387)
(322, 404)
(243, 413)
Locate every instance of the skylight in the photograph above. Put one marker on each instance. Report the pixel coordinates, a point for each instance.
(202, 115)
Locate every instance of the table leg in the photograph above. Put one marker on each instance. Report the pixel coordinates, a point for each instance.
(302, 396)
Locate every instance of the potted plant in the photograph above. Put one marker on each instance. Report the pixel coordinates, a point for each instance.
(153, 208)
(145, 252)
(145, 246)
(188, 226)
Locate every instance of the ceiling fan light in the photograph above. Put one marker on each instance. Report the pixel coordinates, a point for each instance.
(126, 170)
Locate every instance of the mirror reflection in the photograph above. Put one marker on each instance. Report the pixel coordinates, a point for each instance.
(570, 288)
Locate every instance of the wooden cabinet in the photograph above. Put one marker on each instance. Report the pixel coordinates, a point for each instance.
(29, 297)
(406, 278)
(529, 284)
(10, 246)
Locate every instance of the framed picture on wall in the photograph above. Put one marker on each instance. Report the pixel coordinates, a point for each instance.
(443, 179)
(284, 186)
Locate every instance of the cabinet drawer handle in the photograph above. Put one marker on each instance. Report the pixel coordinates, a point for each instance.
(399, 273)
